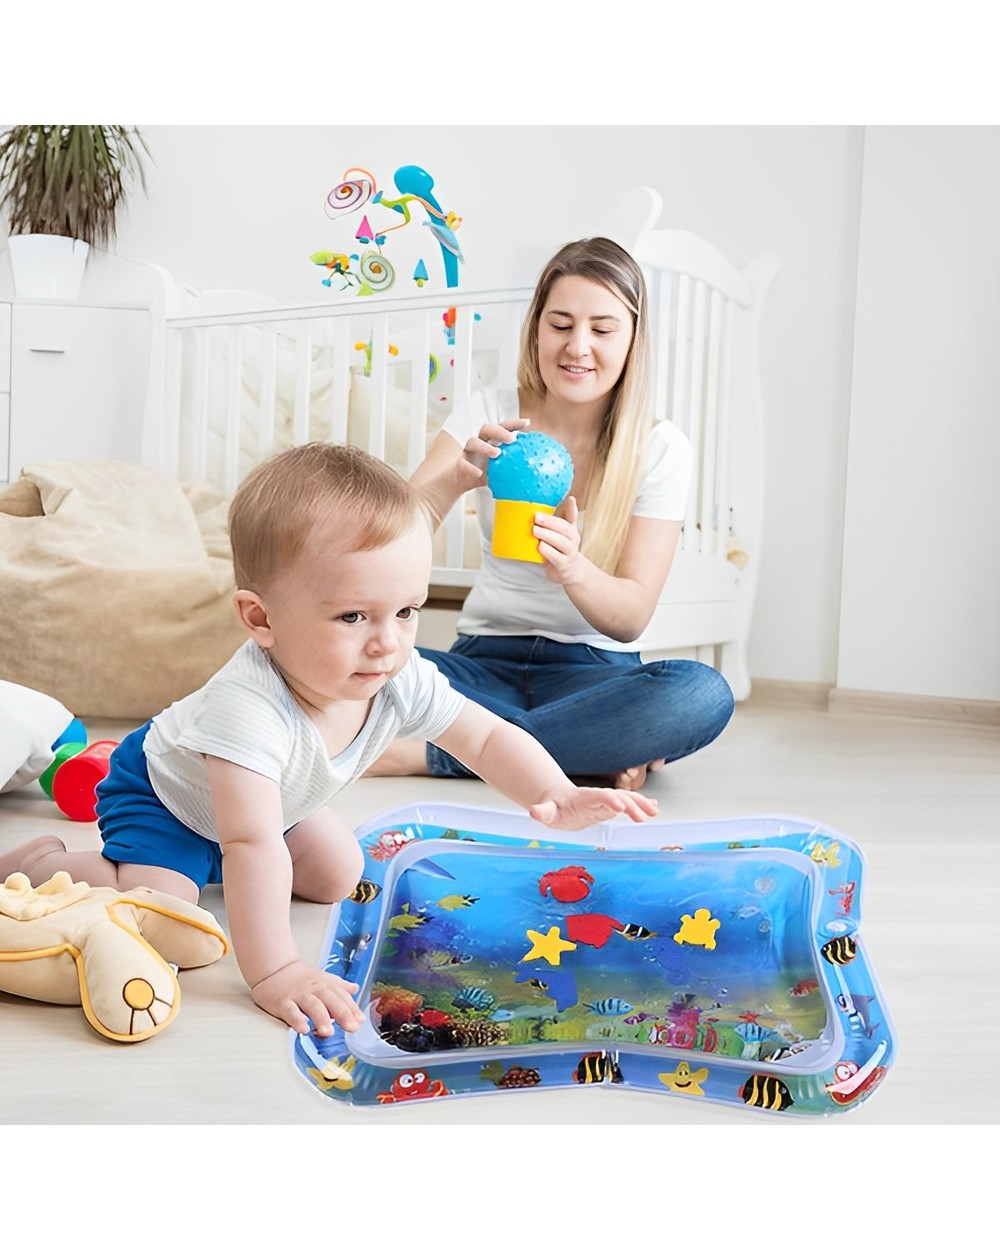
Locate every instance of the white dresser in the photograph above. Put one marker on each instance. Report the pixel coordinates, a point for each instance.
(72, 382)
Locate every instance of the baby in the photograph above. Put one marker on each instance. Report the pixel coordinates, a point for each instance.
(232, 784)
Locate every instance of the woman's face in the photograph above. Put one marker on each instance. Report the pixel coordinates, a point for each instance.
(584, 334)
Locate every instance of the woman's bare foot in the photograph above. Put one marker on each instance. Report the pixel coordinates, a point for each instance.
(628, 779)
(23, 858)
(404, 757)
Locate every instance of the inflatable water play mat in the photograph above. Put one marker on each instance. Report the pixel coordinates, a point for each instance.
(719, 960)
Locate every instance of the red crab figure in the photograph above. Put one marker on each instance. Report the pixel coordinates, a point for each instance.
(410, 1085)
(567, 885)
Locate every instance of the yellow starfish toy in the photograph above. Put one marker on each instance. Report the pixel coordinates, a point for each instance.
(683, 1081)
(548, 946)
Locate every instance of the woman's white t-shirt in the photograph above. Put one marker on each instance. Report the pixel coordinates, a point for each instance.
(514, 596)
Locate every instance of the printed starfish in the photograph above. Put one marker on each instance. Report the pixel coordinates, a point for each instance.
(548, 946)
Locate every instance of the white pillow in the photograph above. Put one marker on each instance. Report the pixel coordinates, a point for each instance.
(29, 724)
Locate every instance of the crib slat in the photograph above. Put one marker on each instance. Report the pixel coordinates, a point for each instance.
(342, 347)
(234, 386)
(303, 384)
(696, 348)
(268, 390)
(454, 541)
(379, 386)
(509, 346)
(663, 285)
(417, 430)
(723, 425)
(171, 416)
(709, 516)
(198, 457)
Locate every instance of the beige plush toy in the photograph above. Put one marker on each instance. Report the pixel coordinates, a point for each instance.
(106, 950)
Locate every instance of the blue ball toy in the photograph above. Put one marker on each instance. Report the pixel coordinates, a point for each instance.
(533, 468)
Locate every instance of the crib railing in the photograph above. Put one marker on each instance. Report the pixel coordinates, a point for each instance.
(235, 378)
(231, 386)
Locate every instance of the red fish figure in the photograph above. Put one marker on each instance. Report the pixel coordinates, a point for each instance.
(593, 929)
(410, 1085)
(566, 885)
(809, 985)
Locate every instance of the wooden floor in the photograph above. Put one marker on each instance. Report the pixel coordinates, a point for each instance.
(922, 799)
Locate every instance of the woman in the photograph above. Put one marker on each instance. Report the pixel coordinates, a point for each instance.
(554, 647)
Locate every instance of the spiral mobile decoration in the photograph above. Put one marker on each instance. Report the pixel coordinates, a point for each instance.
(376, 271)
(351, 193)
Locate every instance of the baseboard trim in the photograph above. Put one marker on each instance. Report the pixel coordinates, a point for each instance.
(914, 706)
(771, 692)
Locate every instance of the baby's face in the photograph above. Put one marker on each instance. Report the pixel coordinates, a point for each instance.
(343, 623)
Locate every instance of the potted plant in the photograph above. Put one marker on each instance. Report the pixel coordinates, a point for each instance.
(61, 188)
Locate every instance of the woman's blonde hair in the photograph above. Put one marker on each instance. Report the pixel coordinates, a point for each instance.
(612, 489)
(279, 503)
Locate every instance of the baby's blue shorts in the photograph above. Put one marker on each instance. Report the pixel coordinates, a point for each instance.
(138, 829)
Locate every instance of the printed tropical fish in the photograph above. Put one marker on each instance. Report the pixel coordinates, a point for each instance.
(475, 998)
(610, 1007)
(440, 959)
(766, 1091)
(365, 892)
(405, 920)
(636, 933)
(451, 902)
(808, 985)
(839, 950)
(597, 1067)
(754, 1032)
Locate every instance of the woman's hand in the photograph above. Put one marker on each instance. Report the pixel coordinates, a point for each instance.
(559, 543)
(484, 447)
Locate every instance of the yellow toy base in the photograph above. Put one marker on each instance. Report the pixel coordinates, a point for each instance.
(513, 522)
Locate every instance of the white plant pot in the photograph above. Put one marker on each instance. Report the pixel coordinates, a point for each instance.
(47, 266)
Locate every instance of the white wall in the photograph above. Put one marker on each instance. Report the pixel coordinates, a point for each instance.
(244, 206)
(920, 609)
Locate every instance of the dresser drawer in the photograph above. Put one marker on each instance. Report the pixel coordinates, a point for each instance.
(77, 383)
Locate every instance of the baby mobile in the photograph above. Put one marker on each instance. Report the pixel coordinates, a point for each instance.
(370, 271)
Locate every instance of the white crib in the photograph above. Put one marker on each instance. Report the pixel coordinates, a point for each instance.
(235, 376)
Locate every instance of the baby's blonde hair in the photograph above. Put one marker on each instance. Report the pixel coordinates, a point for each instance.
(279, 503)
(612, 490)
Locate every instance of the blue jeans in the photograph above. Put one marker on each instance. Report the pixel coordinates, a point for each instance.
(596, 712)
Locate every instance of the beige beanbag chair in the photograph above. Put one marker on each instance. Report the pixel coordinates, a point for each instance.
(115, 587)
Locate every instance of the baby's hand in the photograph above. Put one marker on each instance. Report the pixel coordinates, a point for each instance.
(581, 806)
(298, 994)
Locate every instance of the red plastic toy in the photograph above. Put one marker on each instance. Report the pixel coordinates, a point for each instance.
(75, 780)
